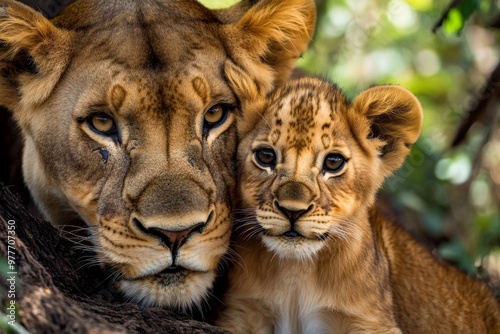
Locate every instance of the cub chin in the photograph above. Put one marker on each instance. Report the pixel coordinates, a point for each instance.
(315, 255)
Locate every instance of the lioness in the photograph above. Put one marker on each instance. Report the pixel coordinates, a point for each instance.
(129, 123)
(316, 257)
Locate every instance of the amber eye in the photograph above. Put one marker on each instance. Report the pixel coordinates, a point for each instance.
(216, 115)
(102, 124)
(266, 157)
(334, 163)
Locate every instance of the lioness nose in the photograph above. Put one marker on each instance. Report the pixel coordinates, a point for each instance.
(179, 237)
(292, 214)
(174, 239)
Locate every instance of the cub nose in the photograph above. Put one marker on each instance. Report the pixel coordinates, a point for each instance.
(292, 213)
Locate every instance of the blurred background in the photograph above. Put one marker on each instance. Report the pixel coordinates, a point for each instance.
(447, 53)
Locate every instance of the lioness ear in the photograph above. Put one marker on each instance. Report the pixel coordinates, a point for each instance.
(251, 98)
(33, 55)
(395, 119)
(269, 38)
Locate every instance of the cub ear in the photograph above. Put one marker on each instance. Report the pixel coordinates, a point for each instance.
(269, 38)
(33, 55)
(394, 122)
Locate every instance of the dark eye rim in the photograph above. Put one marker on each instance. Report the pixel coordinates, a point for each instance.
(113, 132)
(262, 163)
(338, 169)
(226, 108)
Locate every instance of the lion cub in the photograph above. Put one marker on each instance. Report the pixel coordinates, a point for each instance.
(316, 256)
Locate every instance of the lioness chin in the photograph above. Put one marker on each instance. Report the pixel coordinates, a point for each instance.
(129, 124)
(315, 256)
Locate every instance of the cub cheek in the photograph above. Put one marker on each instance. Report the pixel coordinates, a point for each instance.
(257, 194)
(345, 205)
(248, 196)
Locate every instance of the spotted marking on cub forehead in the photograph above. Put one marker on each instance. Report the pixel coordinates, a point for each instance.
(275, 136)
(303, 108)
(301, 115)
(325, 139)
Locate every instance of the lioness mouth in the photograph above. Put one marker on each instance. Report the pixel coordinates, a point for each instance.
(172, 270)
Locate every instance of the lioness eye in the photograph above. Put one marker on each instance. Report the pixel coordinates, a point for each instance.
(334, 163)
(266, 157)
(102, 124)
(216, 115)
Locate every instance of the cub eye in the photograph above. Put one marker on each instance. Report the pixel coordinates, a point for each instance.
(102, 124)
(216, 115)
(266, 157)
(334, 163)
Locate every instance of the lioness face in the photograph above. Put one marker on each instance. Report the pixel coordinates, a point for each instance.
(166, 155)
(129, 124)
(141, 147)
(312, 164)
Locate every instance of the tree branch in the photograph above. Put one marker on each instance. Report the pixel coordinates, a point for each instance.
(489, 94)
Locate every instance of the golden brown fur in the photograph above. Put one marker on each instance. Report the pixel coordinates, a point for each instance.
(128, 124)
(315, 255)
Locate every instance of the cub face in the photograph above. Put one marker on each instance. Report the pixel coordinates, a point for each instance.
(312, 161)
(129, 124)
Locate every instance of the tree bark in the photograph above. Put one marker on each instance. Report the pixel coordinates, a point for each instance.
(54, 293)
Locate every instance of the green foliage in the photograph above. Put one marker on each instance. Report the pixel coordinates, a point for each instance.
(454, 22)
(458, 15)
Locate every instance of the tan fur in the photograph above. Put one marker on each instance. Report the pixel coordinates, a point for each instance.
(349, 270)
(154, 68)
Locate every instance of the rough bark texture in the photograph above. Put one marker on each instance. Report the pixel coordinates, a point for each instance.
(56, 294)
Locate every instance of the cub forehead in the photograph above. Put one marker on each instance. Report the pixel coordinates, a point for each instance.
(306, 111)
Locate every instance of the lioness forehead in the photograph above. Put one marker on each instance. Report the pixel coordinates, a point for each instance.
(144, 60)
(145, 34)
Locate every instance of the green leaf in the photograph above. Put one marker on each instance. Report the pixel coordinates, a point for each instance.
(457, 16)
(454, 22)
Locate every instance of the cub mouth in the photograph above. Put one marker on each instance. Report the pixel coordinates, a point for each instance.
(296, 236)
(291, 234)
